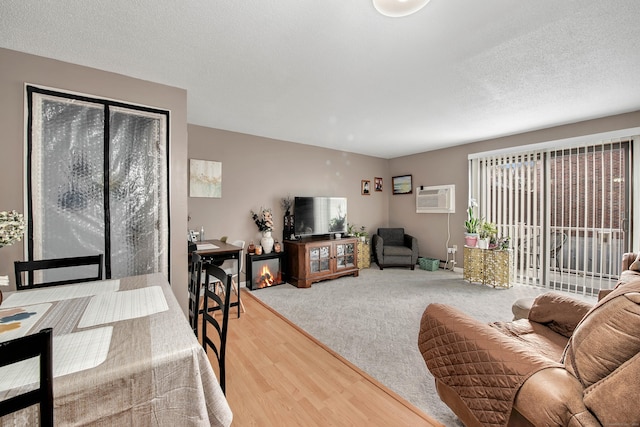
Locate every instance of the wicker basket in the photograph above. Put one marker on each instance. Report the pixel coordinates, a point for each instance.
(429, 264)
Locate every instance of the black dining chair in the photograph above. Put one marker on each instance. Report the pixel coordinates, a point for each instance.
(23, 348)
(230, 266)
(216, 313)
(29, 267)
(195, 284)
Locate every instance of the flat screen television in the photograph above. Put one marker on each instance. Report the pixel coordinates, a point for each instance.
(313, 216)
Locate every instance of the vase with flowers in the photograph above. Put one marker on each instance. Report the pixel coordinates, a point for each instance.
(264, 221)
(11, 227)
(11, 231)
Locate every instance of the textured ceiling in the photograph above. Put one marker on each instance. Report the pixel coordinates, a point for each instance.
(337, 74)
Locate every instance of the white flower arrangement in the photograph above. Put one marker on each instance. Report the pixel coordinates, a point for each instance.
(11, 227)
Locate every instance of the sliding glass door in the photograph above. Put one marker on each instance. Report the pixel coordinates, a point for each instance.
(97, 182)
(566, 211)
(588, 213)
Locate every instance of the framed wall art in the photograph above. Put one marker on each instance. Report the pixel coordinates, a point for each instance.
(205, 178)
(377, 184)
(365, 187)
(402, 184)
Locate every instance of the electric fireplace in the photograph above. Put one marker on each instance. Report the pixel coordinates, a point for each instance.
(264, 270)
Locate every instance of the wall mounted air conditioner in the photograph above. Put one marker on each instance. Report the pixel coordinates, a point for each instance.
(436, 199)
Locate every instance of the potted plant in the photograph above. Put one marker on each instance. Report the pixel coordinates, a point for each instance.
(502, 244)
(486, 233)
(471, 226)
(362, 234)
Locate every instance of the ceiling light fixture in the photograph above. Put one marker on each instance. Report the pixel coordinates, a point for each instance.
(398, 8)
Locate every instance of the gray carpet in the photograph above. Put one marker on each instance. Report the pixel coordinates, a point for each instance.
(373, 321)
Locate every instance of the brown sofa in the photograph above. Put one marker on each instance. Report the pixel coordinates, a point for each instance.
(630, 271)
(567, 364)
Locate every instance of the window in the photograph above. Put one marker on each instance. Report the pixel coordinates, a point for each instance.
(97, 181)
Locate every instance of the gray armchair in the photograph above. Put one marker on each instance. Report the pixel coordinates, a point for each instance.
(393, 248)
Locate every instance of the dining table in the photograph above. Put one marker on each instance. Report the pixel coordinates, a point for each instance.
(217, 251)
(123, 354)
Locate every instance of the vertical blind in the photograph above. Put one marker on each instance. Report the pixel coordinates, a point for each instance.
(565, 210)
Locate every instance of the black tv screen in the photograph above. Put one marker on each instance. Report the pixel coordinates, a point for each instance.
(319, 215)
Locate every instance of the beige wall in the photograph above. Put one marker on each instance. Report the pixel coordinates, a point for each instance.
(259, 172)
(256, 171)
(16, 69)
(449, 166)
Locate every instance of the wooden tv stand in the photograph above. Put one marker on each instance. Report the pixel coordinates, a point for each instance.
(311, 260)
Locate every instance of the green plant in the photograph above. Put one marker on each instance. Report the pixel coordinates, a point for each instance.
(362, 232)
(351, 230)
(487, 230)
(472, 223)
(503, 243)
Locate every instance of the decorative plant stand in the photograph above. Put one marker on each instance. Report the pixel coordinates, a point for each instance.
(489, 266)
(364, 254)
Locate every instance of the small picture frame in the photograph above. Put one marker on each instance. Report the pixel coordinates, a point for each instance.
(365, 187)
(377, 184)
(402, 184)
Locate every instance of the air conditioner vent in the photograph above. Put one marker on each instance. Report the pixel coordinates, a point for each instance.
(436, 199)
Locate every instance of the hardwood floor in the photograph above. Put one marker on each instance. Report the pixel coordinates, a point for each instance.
(278, 375)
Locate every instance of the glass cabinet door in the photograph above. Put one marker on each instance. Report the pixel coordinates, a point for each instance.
(319, 257)
(345, 255)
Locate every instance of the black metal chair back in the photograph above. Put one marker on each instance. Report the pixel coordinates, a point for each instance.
(220, 324)
(23, 348)
(30, 266)
(195, 283)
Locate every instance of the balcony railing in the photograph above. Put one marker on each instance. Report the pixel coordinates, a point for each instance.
(584, 260)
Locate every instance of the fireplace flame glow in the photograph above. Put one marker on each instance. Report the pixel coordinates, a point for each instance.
(265, 277)
(265, 273)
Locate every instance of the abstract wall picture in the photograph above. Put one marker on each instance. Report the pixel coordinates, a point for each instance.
(402, 184)
(205, 178)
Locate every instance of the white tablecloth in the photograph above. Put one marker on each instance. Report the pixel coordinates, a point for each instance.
(154, 371)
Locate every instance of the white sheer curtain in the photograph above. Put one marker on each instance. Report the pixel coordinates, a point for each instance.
(97, 182)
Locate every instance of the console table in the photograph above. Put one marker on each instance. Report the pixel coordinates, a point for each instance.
(315, 259)
(488, 266)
